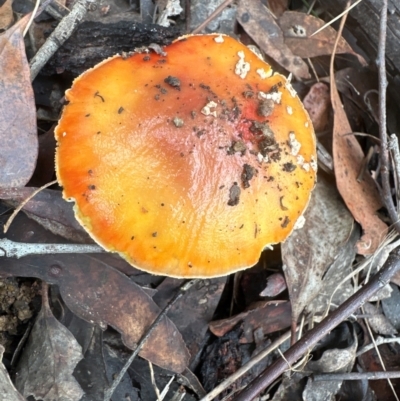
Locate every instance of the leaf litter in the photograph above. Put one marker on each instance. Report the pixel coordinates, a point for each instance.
(18, 133)
(100, 291)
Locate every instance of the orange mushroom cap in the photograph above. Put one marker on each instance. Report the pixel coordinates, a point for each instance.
(187, 163)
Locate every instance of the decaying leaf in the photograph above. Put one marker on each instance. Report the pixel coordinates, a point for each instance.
(91, 370)
(99, 294)
(269, 316)
(334, 292)
(391, 307)
(336, 359)
(318, 104)
(7, 390)
(49, 358)
(6, 15)
(361, 196)
(275, 285)
(310, 251)
(191, 314)
(297, 28)
(260, 25)
(169, 8)
(50, 210)
(18, 134)
(379, 323)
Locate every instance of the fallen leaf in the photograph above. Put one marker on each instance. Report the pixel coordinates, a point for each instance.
(260, 25)
(50, 210)
(391, 307)
(6, 15)
(310, 251)
(7, 390)
(297, 28)
(49, 358)
(192, 314)
(91, 371)
(99, 294)
(270, 316)
(318, 104)
(275, 285)
(379, 323)
(18, 134)
(336, 359)
(278, 7)
(334, 292)
(361, 197)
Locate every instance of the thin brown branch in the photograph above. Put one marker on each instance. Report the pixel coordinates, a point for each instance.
(328, 324)
(384, 154)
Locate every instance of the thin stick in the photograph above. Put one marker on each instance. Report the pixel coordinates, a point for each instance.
(384, 154)
(12, 249)
(33, 15)
(378, 341)
(379, 356)
(394, 147)
(328, 324)
(184, 288)
(18, 209)
(153, 381)
(58, 36)
(336, 18)
(245, 368)
(356, 376)
(213, 15)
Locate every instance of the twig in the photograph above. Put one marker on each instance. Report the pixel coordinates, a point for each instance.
(364, 164)
(11, 249)
(356, 376)
(25, 201)
(58, 36)
(379, 356)
(378, 341)
(213, 15)
(345, 12)
(153, 381)
(184, 288)
(33, 15)
(384, 154)
(245, 368)
(328, 324)
(394, 147)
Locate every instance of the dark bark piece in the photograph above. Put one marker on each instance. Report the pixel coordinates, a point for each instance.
(93, 42)
(363, 23)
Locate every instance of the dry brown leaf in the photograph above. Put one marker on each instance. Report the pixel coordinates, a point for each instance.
(297, 29)
(269, 316)
(49, 358)
(6, 15)
(18, 134)
(278, 7)
(361, 197)
(7, 390)
(260, 25)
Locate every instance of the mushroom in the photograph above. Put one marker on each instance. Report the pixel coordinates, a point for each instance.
(187, 162)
